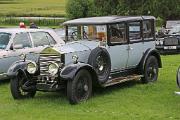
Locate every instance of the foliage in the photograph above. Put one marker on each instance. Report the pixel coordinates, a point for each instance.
(165, 9)
(127, 101)
(78, 8)
(38, 21)
(107, 7)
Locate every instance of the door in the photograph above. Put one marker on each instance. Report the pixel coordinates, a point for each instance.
(136, 44)
(117, 46)
(4, 41)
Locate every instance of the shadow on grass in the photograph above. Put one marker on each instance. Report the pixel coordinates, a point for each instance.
(2, 82)
(52, 96)
(108, 90)
(60, 96)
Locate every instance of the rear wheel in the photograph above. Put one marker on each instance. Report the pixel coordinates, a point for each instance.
(150, 70)
(16, 85)
(80, 88)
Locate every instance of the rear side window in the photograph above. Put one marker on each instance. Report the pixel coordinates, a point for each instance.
(41, 39)
(148, 29)
(118, 33)
(22, 39)
(135, 31)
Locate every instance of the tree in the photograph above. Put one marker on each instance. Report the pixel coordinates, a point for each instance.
(79, 8)
(105, 7)
(165, 9)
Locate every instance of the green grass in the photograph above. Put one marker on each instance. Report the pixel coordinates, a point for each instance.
(128, 101)
(31, 8)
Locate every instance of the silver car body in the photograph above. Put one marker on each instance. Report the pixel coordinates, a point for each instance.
(122, 57)
(9, 56)
(128, 55)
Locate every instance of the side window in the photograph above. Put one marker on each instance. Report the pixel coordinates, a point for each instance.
(118, 33)
(135, 31)
(148, 29)
(50, 38)
(22, 40)
(39, 39)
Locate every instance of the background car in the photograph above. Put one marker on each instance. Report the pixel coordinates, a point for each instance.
(170, 43)
(14, 43)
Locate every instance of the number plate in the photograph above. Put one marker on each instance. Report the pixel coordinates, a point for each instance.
(170, 47)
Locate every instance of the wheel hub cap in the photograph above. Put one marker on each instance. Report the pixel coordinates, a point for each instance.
(85, 88)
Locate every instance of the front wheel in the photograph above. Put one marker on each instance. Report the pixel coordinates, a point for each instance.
(80, 88)
(150, 70)
(16, 85)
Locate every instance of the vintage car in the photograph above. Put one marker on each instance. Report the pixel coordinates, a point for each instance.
(107, 51)
(16, 42)
(171, 42)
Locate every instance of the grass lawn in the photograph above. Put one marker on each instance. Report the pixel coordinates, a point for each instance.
(32, 7)
(127, 101)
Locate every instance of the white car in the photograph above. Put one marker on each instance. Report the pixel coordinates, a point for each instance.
(15, 42)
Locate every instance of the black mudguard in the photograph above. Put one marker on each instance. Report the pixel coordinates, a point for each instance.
(70, 71)
(149, 52)
(15, 67)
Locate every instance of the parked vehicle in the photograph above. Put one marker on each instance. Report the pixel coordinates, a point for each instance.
(171, 42)
(106, 51)
(14, 43)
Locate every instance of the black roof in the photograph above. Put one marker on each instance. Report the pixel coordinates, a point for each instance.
(105, 20)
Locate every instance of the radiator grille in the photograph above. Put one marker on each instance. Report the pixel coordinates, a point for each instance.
(170, 41)
(45, 60)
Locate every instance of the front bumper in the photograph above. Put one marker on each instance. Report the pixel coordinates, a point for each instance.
(49, 83)
(168, 49)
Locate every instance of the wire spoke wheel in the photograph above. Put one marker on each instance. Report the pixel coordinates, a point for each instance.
(150, 70)
(100, 60)
(101, 66)
(80, 88)
(21, 81)
(16, 86)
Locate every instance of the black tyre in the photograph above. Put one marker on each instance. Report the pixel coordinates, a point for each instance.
(16, 85)
(178, 77)
(101, 62)
(80, 88)
(151, 70)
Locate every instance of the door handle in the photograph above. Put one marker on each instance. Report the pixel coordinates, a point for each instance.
(129, 48)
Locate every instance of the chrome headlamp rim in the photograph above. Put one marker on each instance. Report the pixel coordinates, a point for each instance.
(51, 72)
(29, 70)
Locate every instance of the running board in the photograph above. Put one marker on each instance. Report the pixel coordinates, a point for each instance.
(121, 79)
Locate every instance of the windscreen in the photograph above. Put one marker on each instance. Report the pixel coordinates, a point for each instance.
(89, 32)
(174, 30)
